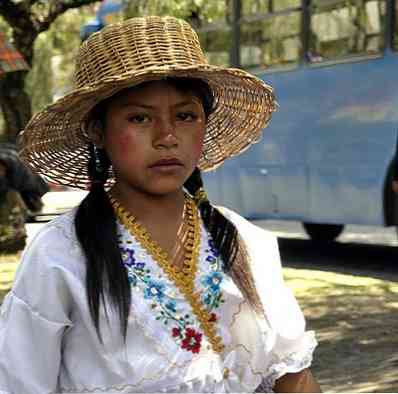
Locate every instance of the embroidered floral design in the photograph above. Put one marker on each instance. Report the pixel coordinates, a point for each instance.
(213, 281)
(154, 290)
(213, 317)
(212, 296)
(192, 340)
(189, 339)
(128, 257)
(165, 307)
(135, 270)
(171, 306)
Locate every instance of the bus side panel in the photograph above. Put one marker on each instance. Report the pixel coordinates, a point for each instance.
(325, 154)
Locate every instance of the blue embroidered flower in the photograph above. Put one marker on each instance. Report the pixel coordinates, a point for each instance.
(154, 290)
(171, 306)
(213, 281)
(211, 259)
(139, 266)
(128, 257)
(213, 248)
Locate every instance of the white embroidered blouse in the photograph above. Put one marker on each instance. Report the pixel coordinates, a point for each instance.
(48, 343)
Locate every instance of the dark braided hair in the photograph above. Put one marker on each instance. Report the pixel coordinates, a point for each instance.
(95, 222)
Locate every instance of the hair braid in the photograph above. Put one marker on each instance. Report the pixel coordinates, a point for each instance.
(94, 222)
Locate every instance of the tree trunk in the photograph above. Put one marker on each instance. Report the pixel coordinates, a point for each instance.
(14, 103)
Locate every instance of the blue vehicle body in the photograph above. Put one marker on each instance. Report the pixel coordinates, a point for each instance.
(325, 155)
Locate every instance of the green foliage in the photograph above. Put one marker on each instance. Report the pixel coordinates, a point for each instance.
(39, 82)
(210, 11)
(201, 14)
(5, 29)
(55, 51)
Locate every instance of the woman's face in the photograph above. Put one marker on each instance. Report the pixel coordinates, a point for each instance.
(153, 136)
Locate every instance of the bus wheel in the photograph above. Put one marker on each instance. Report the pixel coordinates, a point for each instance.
(323, 232)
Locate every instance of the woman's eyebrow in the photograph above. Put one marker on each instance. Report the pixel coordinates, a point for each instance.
(147, 106)
(187, 102)
(141, 105)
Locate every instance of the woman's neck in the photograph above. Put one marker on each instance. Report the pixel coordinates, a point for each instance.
(150, 208)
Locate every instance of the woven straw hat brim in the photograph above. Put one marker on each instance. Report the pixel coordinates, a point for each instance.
(55, 144)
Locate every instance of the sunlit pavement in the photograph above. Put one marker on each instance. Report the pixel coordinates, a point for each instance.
(373, 235)
(352, 234)
(58, 202)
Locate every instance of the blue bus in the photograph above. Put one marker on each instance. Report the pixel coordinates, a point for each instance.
(326, 157)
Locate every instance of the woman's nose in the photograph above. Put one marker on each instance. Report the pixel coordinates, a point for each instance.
(166, 135)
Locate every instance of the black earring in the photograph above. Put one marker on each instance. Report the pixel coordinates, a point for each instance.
(98, 164)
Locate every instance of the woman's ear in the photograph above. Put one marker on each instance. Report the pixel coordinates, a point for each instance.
(96, 133)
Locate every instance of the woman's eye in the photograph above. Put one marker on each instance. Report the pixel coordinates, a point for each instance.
(140, 118)
(186, 116)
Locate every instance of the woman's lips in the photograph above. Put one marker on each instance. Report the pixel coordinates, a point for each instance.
(166, 164)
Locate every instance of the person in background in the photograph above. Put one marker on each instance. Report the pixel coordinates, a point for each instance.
(13, 209)
(20, 197)
(395, 170)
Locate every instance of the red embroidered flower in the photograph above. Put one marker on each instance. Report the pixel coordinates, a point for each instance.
(176, 332)
(192, 340)
(213, 317)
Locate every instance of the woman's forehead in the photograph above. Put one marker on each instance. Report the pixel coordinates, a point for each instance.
(155, 91)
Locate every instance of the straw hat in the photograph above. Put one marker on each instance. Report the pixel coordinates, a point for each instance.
(55, 142)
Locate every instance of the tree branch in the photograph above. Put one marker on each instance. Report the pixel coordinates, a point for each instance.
(58, 7)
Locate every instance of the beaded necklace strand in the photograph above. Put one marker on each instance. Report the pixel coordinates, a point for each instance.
(184, 279)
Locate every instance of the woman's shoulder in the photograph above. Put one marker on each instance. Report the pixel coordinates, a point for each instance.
(59, 231)
(51, 266)
(54, 245)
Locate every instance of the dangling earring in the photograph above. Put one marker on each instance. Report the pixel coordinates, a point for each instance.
(98, 164)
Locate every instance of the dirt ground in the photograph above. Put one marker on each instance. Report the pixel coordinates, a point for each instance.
(356, 322)
(355, 318)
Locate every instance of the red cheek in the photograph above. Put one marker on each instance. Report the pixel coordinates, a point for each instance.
(198, 147)
(122, 144)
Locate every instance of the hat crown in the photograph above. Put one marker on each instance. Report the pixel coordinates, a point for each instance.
(135, 45)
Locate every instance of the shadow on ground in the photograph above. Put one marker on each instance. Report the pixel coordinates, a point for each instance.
(376, 261)
(349, 294)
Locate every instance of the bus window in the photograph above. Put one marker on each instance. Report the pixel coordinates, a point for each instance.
(212, 23)
(395, 37)
(270, 33)
(341, 28)
(216, 41)
(255, 7)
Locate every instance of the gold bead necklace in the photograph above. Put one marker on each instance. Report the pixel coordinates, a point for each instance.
(184, 279)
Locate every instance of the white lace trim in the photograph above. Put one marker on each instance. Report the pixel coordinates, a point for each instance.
(242, 376)
(292, 363)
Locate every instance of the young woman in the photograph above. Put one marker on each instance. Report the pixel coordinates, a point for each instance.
(146, 286)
